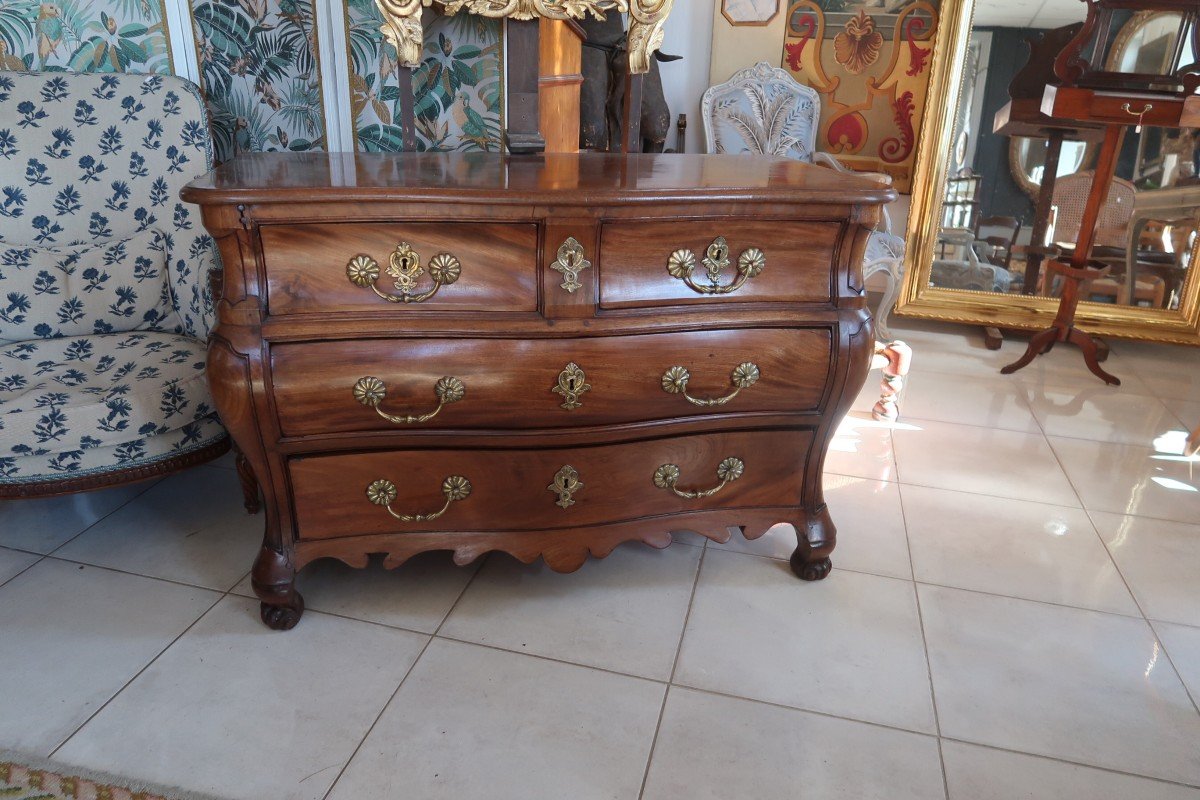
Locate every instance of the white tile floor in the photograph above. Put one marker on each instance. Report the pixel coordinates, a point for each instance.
(1014, 612)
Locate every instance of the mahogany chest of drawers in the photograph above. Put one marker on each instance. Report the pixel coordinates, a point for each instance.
(545, 356)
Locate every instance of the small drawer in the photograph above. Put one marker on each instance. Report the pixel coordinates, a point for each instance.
(496, 490)
(408, 266)
(1126, 111)
(715, 261)
(406, 384)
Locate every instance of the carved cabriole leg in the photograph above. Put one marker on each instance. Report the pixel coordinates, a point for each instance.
(233, 376)
(274, 582)
(815, 540)
(815, 531)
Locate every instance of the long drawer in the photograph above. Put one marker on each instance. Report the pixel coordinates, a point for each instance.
(489, 490)
(393, 384)
(419, 266)
(658, 262)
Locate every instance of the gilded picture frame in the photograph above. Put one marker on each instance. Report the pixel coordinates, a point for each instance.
(919, 299)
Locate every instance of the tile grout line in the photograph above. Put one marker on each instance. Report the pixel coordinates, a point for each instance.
(136, 675)
(1125, 581)
(1171, 661)
(149, 485)
(662, 709)
(1085, 765)
(1138, 603)
(956, 588)
(937, 722)
(333, 784)
(12, 578)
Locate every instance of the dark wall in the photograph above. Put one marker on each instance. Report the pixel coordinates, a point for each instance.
(999, 194)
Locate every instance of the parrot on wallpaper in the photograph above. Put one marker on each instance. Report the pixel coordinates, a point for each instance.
(49, 28)
(473, 127)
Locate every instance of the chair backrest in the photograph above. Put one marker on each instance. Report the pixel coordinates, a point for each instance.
(763, 110)
(1112, 226)
(91, 158)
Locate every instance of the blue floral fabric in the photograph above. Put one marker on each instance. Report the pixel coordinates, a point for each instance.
(81, 289)
(104, 273)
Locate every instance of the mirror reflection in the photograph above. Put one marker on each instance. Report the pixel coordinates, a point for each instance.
(1017, 181)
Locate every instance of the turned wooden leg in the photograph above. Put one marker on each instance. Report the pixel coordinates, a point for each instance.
(816, 537)
(274, 582)
(899, 356)
(250, 495)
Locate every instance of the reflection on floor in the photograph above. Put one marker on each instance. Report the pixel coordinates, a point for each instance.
(1014, 612)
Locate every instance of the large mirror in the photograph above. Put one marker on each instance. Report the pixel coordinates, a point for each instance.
(1003, 194)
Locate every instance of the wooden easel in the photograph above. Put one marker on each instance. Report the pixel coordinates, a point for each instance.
(1081, 268)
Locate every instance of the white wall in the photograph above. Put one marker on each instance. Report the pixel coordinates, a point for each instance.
(688, 33)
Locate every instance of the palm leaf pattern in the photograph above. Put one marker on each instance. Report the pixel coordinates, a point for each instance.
(260, 74)
(766, 127)
(458, 87)
(83, 36)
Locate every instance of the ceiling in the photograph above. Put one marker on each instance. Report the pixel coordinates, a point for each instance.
(1028, 13)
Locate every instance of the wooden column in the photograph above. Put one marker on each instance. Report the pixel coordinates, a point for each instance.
(559, 81)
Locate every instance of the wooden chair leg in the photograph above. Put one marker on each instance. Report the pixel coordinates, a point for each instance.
(1192, 448)
(899, 359)
(250, 494)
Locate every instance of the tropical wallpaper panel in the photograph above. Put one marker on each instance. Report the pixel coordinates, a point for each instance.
(458, 88)
(260, 74)
(84, 36)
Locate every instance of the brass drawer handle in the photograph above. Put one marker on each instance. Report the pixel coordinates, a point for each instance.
(1146, 109)
(682, 264)
(744, 375)
(404, 267)
(383, 493)
(728, 471)
(370, 391)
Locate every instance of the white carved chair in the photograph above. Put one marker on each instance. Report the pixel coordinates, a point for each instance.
(764, 110)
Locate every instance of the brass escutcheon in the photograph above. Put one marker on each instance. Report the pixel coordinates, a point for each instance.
(744, 375)
(566, 483)
(728, 471)
(570, 263)
(383, 493)
(370, 392)
(682, 265)
(572, 382)
(404, 267)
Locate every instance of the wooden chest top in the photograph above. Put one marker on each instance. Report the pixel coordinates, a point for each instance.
(578, 179)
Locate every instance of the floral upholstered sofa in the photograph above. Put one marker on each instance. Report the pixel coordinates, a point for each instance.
(105, 303)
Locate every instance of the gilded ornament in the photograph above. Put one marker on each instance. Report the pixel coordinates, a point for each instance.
(572, 382)
(728, 471)
(570, 263)
(402, 21)
(744, 375)
(565, 484)
(362, 271)
(681, 265)
(404, 268)
(383, 493)
(371, 391)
